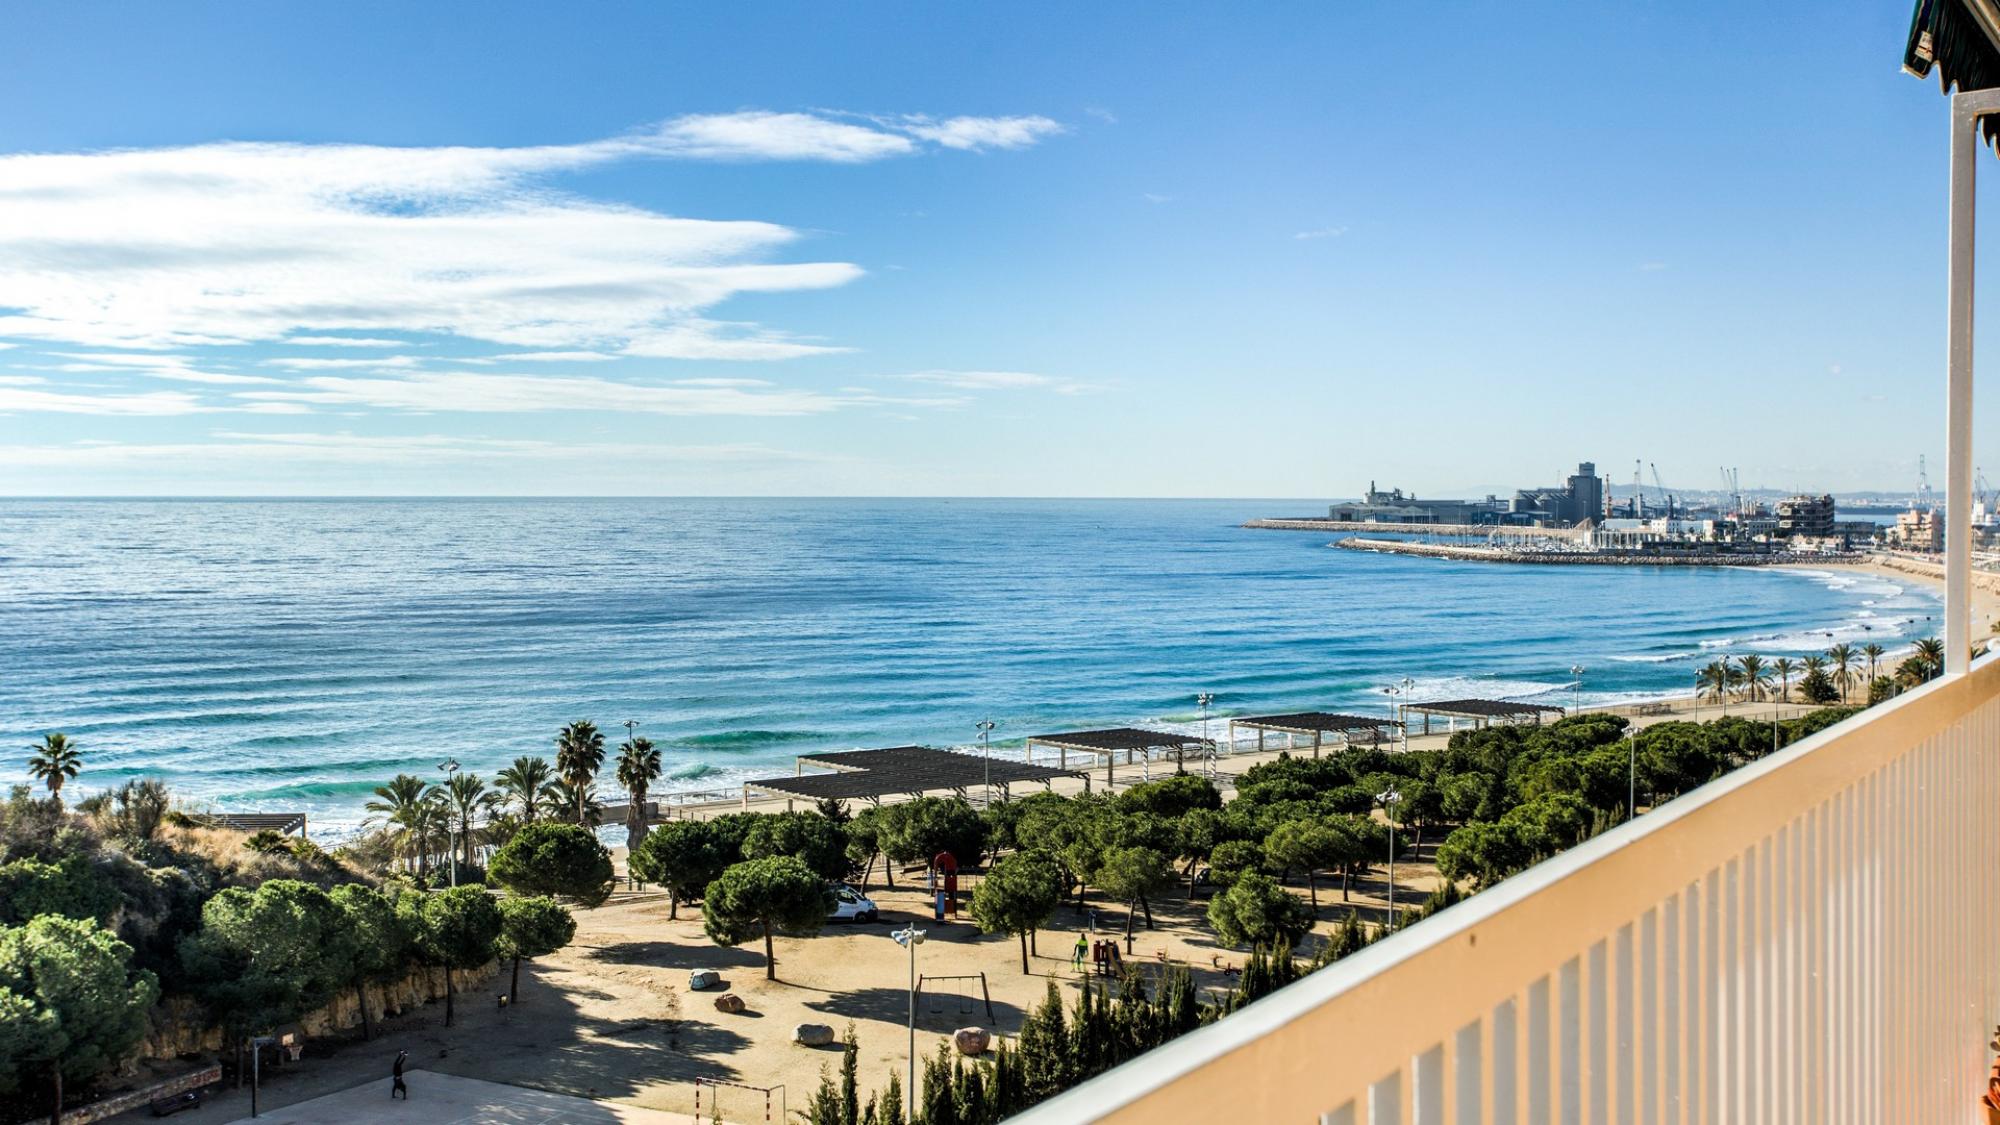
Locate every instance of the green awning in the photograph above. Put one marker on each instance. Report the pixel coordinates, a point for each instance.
(1960, 40)
(1946, 36)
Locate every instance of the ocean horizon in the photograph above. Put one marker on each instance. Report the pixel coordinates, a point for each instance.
(291, 654)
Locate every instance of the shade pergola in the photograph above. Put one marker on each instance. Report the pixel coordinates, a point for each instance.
(909, 771)
(1108, 744)
(1314, 724)
(285, 824)
(1482, 712)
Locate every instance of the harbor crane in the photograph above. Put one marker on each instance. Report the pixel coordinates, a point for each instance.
(1667, 498)
(1922, 501)
(1638, 493)
(1733, 489)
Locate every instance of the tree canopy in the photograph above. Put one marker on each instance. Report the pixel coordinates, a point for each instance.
(70, 1005)
(1017, 896)
(759, 896)
(549, 858)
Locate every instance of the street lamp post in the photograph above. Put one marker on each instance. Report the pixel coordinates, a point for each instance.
(1203, 699)
(986, 756)
(450, 767)
(257, 1045)
(909, 937)
(1576, 688)
(1632, 773)
(1407, 685)
(1389, 797)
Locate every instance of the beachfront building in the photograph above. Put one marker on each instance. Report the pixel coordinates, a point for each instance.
(1377, 506)
(1808, 516)
(1580, 499)
(1812, 938)
(1917, 530)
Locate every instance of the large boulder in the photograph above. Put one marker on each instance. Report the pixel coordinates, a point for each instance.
(812, 1035)
(971, 1040)
(704, 978)
(729, 1002)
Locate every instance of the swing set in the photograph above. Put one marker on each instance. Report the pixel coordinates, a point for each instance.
(965, 1001)
(715, 1098)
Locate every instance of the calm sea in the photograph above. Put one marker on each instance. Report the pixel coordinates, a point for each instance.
(294, 654)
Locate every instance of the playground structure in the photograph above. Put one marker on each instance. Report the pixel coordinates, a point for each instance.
(964, 996)
(715, 1101)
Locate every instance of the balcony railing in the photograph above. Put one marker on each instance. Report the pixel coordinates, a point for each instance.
(1813, 938)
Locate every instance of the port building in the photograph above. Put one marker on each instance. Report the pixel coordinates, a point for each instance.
(1395, 506)
(1578, 500)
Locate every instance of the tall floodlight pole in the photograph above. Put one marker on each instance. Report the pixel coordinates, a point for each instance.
(986, 728)
(1576, 688)
(1203, 699)
(910, 938)
(450, 767)
(1389, 797)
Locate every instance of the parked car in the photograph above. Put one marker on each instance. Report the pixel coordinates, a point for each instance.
(850, 905)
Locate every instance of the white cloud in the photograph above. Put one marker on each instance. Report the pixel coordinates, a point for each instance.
(761, 135)
(1155, 197)
(978, 133)
(21, 380)
(999, 381)
(235, 243)
(1321, 232)
(546, 357)
(235, 450)
(316, 364)
(153, 404)
(487, 394)
(154, 365)
(344, 342)
(707, 339)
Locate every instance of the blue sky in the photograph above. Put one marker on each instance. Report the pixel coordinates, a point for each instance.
(1120, 249)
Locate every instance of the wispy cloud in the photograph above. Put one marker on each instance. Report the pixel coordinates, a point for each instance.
(314, 363)
(236, 449)
(1155, 197)
(975, 133)
(457, 392)
(1000, 381)
(152, 404)
(344, 342)
(1319, 232)
(336, 245)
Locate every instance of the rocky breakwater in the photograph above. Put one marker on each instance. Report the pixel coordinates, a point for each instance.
(1583, 557)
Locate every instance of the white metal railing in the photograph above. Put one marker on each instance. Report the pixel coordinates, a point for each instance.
(1813, 938)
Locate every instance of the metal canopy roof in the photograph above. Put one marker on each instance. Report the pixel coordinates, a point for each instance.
(282, 823)
(1116, 739)
(1483, 708)
(1315, 722)
(900, 770)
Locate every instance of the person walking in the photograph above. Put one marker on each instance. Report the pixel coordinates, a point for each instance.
(1077, 951)
(396, 1072)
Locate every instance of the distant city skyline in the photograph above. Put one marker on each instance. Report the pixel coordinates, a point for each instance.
(1123, 251)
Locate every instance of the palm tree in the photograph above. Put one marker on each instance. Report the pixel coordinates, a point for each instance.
(465, 795)
(1755, 676)
(54, 761)
(638, 768)
(526, 784)
(1784, 667)
(1841, 656)
(409, 811)
(579, 755)
(570, 799)
(1713, 682)
(1930, 651)
(1874, 653)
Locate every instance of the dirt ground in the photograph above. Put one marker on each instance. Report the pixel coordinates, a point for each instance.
(611, 1017)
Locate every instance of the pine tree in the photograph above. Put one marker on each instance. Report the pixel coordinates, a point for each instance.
(892, 1102)
(1045, 1050)
(850, 1094)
